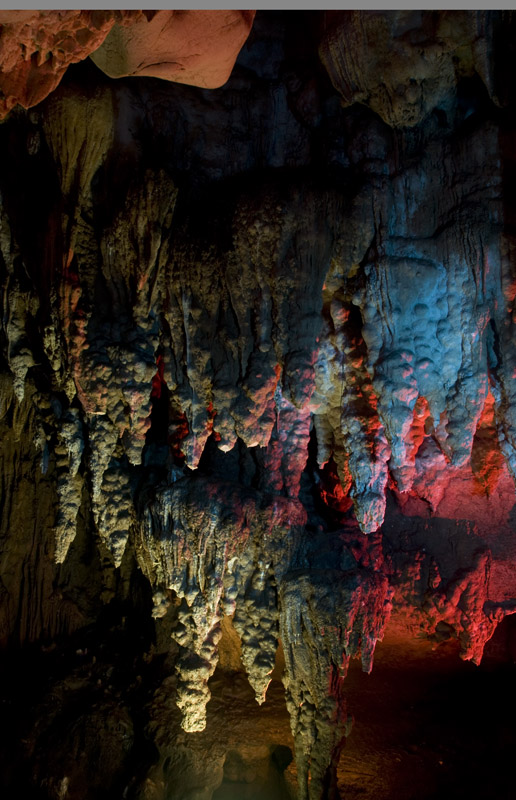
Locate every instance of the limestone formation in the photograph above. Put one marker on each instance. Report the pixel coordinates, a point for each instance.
(195, 47)
(328, 616)
(257, 389)
(220, 550)
(36, 47)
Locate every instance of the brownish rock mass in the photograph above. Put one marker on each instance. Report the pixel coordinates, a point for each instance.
(36, 47)
(257, 405)
(195, 47)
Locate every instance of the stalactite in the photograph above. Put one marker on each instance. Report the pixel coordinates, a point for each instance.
(257, 375)
(327, 617)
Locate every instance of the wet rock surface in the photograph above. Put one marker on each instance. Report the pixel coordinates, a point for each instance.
(256, 409)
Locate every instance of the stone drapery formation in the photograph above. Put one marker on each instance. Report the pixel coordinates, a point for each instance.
(258, 375)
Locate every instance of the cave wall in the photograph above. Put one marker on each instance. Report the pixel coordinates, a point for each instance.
(257, 385)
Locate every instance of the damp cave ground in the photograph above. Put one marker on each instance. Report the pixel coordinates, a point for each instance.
(427, 726)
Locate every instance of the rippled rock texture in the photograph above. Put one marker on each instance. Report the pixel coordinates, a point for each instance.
(257, 387)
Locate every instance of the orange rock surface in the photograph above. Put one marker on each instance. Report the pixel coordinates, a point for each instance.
(36, 47)
(194, 47)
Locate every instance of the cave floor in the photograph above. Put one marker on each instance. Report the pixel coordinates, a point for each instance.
(427, 726)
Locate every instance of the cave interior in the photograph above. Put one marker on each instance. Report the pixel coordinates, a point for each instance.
(257, 395)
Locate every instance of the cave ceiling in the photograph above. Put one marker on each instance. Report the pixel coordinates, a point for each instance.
(257, 401)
